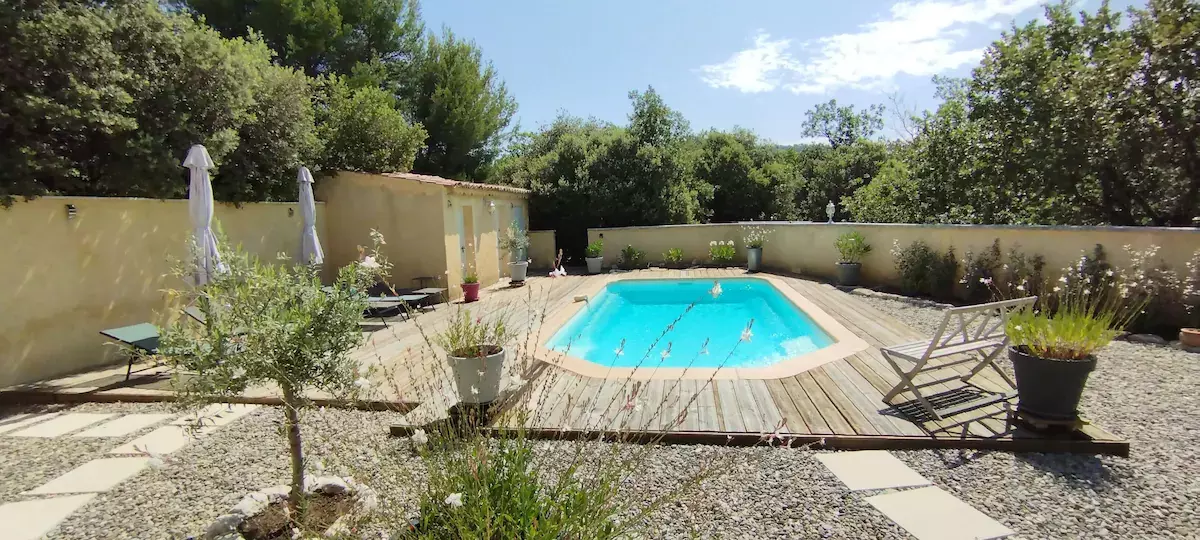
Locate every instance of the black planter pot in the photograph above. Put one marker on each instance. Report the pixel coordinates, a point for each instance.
(1047, 388)
(849, 273)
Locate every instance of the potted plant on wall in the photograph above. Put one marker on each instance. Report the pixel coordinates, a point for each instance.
(515, 241)
(755, 238)
(594, 255)
(852, 247)
(470, 286)
(1053, 348)
(475, 351)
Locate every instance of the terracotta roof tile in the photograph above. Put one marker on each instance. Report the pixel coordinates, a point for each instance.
(428, 179)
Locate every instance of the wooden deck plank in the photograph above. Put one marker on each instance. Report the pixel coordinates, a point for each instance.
(708, 417)
(772, 417)
(727, 406)
(804, 404)
(858, 422)
(752, 416)
(783, 402)
(825, 407)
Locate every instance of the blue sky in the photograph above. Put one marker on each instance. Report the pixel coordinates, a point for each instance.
(754, 64)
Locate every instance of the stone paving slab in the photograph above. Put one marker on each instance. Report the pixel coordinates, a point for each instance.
(95, 476)
(929, 513)
(163, 440)
(215, 415)
(30, 520)
(19, 421)
(62, 425)
(871, 469)
(124, 425)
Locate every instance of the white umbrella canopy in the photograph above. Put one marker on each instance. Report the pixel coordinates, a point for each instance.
(200, 207)
(310, 245)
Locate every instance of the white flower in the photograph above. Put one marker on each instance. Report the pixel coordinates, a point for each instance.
(362, 382)
(1017, 328)
(716, 289)
(369, 262)
(1020, 287)
(666, 353)
(747, 334)
(474, 391)
(419, 437)
(712, 243)
(1057, 289)
(619, 351)
(1062, 279)
(455, 500)
(1087, 291)
(1109, 273)
(296, 534)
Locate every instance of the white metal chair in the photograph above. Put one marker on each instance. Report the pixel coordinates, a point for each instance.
(975, 331)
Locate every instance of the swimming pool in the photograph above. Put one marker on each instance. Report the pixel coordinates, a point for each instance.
(653, 318)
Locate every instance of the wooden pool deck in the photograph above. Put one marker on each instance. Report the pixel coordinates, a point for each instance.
(839, 402)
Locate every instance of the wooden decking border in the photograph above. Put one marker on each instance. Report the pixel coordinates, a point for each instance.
(819, 442)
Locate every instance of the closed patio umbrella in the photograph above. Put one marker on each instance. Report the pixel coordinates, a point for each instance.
(310, 245)
(200, 207)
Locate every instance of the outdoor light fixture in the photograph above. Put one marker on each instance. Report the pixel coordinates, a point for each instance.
(491, 204)
(829, 209)
(291, 211)
(71, 211)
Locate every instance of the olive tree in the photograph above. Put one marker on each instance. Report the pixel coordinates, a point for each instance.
(273, 323)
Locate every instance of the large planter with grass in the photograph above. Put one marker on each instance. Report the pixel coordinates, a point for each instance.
(477, 372)
(1049, 388)
(753, 258)
(470, 291)
(849, 274)
(518, 271)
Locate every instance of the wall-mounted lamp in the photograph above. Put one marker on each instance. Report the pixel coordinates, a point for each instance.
(291, 211)
(71, 211)
(449, 203)
(491, 204)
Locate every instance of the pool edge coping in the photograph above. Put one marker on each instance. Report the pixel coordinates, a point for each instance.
(845, 344)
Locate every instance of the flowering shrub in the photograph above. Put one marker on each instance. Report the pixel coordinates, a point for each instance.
(1191, 291)
(1149, 282)
(721, 251)
(979, 272)
(1025, 275)
(923, 270)
(756, 236)
(632, 257)
(673, 256)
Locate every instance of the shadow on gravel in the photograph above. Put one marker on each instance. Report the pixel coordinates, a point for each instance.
(1078, 471)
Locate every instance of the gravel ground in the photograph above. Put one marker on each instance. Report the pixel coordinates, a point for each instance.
(1142, 392)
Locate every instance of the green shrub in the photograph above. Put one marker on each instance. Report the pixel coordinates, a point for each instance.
(943, 276)
(852, 247)
(1025, 274)
(364, 130)
(595, 249)
(979, 273)
(673, 256)
(913, 264)
(515, 241)
(632, 257)
(721, 251)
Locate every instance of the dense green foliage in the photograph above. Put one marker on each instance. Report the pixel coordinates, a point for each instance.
(363, 131)
(463, 105)
(104, 100)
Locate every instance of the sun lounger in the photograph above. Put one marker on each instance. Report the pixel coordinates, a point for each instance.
(970, 334)
(141, 339)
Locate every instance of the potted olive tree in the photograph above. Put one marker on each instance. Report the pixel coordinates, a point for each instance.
(475, 351)
(1053, 348)
(515, 241)
(755, 238)
(852, 247)
(595, 256)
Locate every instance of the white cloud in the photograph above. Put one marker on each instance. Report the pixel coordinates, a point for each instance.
(757, 69)
(917, 38)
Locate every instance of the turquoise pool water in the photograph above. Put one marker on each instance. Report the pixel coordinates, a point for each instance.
(639, 311)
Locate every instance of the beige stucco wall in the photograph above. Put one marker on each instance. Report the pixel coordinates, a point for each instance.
(491, 211)
(542, 249)
(408, 214)
(808, 248)
(62, 281)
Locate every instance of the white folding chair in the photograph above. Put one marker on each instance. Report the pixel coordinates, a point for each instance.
(974, 331)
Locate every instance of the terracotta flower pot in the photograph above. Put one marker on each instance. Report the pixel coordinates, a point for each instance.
(1189, 337)
(470, 292)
